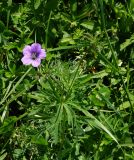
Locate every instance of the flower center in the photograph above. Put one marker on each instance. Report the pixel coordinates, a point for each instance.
(34, 55)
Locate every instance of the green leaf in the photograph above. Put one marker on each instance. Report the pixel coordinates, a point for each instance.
(69, 114)
(84, 12)
(84, 78)
(38, 140)
(96, 99)
(67, 47)
(96, 121)
(73, 7)
(88, 24)
(105, 98)
(131, 5)
(2, 27)
(37, 4)
(9, 3)
(124, 105)
(127, 43)
(17, 152)
(8, 125)
(127, 145)
(8, 74)
(67, 39)
(77, 151)
(3, 156)
(100, 74)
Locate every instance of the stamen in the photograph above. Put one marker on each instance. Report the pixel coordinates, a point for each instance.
(34, 55)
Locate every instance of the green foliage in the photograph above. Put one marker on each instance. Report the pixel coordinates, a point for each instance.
(78, 104)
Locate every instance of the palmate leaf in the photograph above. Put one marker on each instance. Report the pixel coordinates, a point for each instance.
(70, 114)
(54, 130)
(55, 124)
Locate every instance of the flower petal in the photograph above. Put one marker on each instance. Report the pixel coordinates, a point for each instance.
(35, 48)
(42, 54)
(26, 61)
(27, 51)
(36, 62)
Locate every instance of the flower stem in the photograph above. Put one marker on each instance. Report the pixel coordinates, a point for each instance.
(35, 36)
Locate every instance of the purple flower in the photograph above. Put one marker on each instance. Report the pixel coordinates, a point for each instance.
(33, 55)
